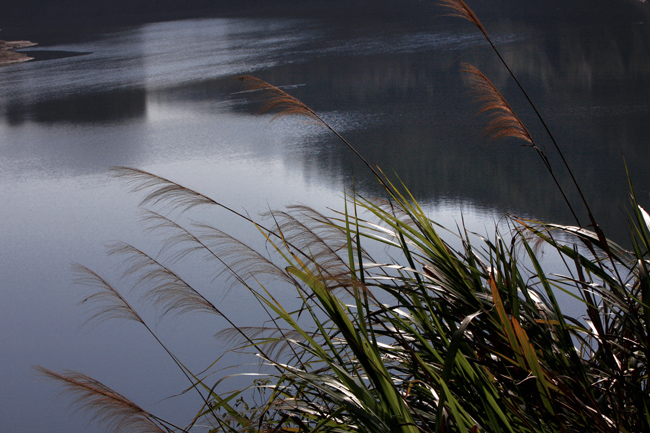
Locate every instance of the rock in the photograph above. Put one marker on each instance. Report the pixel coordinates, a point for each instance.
(7, 56)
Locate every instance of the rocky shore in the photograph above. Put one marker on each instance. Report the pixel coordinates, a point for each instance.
(8, 56)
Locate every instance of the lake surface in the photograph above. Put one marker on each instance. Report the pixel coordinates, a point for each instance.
(162, 97)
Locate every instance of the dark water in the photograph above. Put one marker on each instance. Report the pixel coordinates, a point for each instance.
(161, 97)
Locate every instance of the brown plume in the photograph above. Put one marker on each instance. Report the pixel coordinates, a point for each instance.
(286, 104)
(503, 120)
(107, 301)
(116, 412)
(163, 287)
(460, 9)
(279, 100)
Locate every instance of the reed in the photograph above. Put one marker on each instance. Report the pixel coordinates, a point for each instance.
(441, 338)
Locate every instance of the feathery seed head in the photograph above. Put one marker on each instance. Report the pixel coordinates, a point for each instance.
(460, 9)
(503, 120)
(278, 100)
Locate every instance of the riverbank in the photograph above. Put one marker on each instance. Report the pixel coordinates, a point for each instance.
(8, 56)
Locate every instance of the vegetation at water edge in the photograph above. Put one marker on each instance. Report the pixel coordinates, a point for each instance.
(448, 331)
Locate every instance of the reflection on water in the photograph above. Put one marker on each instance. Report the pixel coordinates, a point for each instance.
(161, 97)
(118, 105)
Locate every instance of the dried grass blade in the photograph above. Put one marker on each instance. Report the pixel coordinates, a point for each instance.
(534, 366)
(505, 323)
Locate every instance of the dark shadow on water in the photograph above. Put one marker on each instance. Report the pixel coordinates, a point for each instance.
(40, 55)
(118, 105)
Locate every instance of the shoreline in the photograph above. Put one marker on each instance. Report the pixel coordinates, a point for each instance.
(8, 56)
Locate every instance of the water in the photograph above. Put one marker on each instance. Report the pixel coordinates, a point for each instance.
(161, 97)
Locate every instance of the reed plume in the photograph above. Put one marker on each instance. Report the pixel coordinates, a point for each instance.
(106, 406)
(108, 302)
(503, 120)
(161, 190)
(241, 262)
(172, 294)
(279, 101)
(275, 340)
(460, 9)
(167, 193)
(166, 289)
(505, 123)
(285, 104)
(323, 238)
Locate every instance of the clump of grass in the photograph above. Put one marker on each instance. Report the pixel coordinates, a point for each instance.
(441, 338)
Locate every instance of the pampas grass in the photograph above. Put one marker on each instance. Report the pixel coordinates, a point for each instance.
(434, 339)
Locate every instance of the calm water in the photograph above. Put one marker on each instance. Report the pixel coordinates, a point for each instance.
(161, 97)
